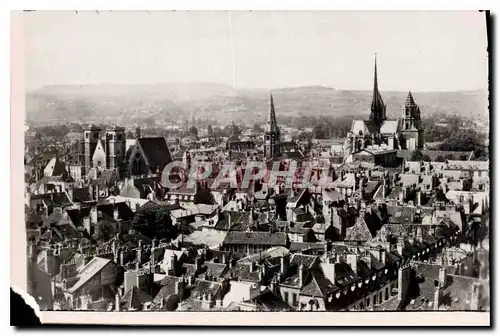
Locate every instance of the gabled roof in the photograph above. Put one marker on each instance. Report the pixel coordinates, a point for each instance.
(359, 232)
(156, 152)
(318, 286)
(89, 271)
(134, 298)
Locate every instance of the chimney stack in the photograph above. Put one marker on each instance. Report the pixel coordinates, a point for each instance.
(437, 296)
(475, 296)
(301, 275)
(403, 280)
(117, 302)
(400, 245)
(352, 260)
(285, 264)
(442, 277)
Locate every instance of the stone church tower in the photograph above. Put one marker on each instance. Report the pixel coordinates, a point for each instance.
(412, 133)
(378, 108)
(272, 134)
(115, 147)
(91, 137)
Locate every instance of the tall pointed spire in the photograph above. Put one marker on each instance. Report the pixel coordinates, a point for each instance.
(272, 124)
(377, 107)
(409, 100)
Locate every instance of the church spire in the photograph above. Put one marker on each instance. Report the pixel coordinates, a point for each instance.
(377, 107)
(409, 100)
(272, 124)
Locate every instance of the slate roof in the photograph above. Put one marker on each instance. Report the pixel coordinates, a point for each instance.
(240, 221)
(256, 238)
(134, 299)
(54, 199)
(317, 286)
(303, 259)
(359, 232)
(156, 152)
(91, 269)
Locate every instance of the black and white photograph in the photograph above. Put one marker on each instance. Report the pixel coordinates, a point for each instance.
(332, 162)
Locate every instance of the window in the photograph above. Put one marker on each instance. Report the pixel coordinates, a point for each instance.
(86, 135)
(294, 298)
(387, 293)
(375, 299)
(286, 297)
(380, 299)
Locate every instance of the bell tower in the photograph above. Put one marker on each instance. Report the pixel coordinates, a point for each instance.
(91, 136)
(115, 147)
(272, 133)
(412, 125)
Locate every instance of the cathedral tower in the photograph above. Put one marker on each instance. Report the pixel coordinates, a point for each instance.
(272, 134)
(413, 133)
(91, 136)
(377, 114)
(115, 147)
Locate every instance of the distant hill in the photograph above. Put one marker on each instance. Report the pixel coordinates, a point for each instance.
(173, 102)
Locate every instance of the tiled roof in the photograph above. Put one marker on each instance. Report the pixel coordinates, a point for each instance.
(303, 259)
(318, 286)
(256, 238)
(359, 232)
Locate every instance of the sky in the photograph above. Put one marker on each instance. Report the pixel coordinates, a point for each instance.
(418, 51)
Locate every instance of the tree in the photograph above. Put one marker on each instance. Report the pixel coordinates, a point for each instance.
(193, 131)
(257, 128)
(153, 220)
(417, 156)
(104, 231)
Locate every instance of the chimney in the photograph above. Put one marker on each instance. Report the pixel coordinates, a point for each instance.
(86, 224)
(179, 288)
(301, 275)
(116, 214)
(352, 260)
(475, 296)
(122, 258)
(228, 221)
(418, 235)
(198, 263)
(117, 302)
(93, 214)
(400, 245)
(252, 267)
(419, 198)
(285, 264)
(403, 280)
(381, 255)
(275, 284)
(442, 277)
(437, 296)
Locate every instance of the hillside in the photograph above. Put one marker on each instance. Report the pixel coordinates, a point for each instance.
(160, 103)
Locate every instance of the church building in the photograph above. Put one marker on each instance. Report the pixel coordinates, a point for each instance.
(381, 134)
